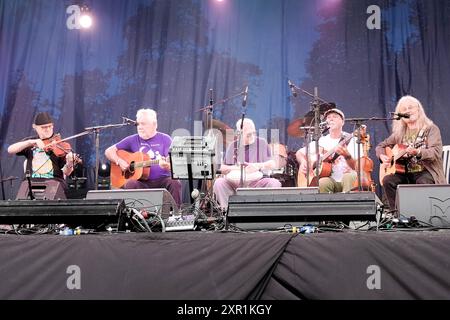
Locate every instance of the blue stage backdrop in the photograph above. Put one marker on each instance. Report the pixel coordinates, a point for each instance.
(167, 54)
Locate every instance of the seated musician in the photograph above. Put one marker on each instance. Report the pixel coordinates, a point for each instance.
(147, 141)
(254, 154)
(42, 163)
(418, 145)
(341, 163)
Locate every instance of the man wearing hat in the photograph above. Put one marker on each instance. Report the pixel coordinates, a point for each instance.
(41, 164)
(343, 160)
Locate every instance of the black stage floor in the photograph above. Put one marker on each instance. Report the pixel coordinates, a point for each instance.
(221, 265)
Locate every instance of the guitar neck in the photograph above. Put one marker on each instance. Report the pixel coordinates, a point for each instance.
(329, 153)
(147, 163)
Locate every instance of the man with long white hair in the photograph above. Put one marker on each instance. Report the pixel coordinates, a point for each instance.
(416, 142)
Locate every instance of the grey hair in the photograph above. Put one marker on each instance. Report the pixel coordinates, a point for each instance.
(246, 120)
(399, 126)
(148, 113)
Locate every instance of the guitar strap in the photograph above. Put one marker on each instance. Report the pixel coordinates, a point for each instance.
(422, 134)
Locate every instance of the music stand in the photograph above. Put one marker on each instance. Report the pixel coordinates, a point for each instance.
(192, 157)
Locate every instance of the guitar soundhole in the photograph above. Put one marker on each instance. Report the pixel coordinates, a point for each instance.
(129, 173)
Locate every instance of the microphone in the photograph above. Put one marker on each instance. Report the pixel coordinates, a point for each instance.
(324, 127)
(211, 101)
(292, 87)
(129, 121)
(323, 124)
(401, 115)
(244, 101)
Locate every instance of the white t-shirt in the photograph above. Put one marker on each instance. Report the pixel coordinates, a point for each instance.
(340, 165)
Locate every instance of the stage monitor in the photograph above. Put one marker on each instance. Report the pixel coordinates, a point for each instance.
(260, 210)
(429, 203)
(154, 200)
(78, 212)
(275, 191)
(42, 190)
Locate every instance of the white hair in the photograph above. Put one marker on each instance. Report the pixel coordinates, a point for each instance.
(148, 113)
(246, 121)
(399, 127)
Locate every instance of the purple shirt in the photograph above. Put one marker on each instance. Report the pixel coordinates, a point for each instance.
(156, 147)
(258, 151)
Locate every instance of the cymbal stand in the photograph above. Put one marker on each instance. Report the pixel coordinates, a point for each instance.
(208, 112)
(206, 195)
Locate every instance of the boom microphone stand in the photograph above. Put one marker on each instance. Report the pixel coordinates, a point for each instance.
(359, 124)
(96, 131)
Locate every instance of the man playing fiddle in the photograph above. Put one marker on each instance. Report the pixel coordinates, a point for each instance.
(42, 162)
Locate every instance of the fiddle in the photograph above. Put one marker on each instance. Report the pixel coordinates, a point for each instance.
(55, 144)
(366, 162)
(61, 148)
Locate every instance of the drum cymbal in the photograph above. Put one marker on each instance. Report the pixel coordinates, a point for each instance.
(324, 107)
(217, 124)
(222, 127)
(297, 128)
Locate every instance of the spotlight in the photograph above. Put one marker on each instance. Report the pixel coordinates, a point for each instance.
(104, 169)
(85, 17)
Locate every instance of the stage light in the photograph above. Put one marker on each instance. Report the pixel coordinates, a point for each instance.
(85, 21)
(85, 17)
(104, 169)
(104, 182)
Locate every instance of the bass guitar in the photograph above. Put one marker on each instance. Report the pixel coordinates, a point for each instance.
(139, 168)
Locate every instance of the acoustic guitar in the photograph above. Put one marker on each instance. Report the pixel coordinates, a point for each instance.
(394, 166)
(139, 168)
(325, 164)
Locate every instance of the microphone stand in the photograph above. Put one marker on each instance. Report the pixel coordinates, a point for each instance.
(1, 178)
(30, 190)
(315, 106)
(96, 131)
(236, 151)
(358, 124)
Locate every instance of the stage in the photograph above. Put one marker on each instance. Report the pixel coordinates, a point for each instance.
(224, 265)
